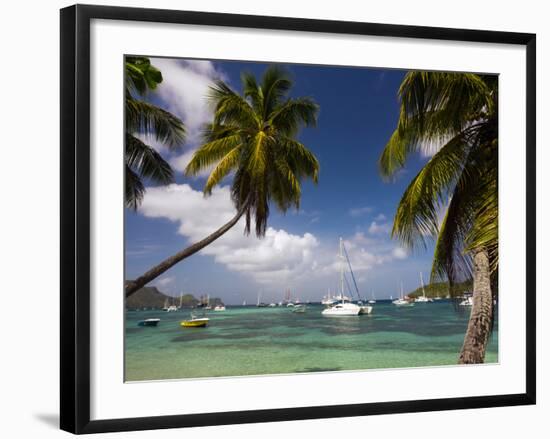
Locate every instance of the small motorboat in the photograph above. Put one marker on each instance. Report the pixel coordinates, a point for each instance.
(299, 308)
(195, 322)
(149, 322)
(219, 308)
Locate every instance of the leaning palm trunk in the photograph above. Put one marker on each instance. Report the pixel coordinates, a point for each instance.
(479, 325)
(133, 285)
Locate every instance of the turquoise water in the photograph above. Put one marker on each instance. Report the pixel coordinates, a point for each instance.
(255, 341)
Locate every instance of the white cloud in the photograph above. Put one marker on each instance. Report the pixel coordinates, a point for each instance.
(377, 228)
(278, 256)
(365, 253)
(184, 90)
(380, 217)
(400, 253)
(165, 281)
(360, 211)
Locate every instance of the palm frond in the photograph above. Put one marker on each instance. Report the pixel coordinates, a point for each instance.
(303, 162)
(394, 155)
(252, 91)
(257, 162)
(211, 153)
(455, 99)
(143, 117)
(231, 108)
(435, 107)
(224, 167)
(450, 262)
(417, 213)
(483, 232)
(275, 86)
(146, 161)
(471, 220)
(141, 75)
(292, 114)
(285, 187)
(134, 189)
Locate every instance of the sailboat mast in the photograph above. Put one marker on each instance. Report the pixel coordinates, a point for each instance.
(422, 283)
(341, 270)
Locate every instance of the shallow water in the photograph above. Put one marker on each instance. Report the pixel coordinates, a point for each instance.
(255, 341)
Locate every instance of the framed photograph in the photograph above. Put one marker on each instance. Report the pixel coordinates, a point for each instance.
(268, 219)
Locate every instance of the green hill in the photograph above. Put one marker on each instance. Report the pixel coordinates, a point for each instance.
(441, 289)
(151, 297)
(146, 297)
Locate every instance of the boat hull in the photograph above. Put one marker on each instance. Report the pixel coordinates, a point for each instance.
(196, 323)
(149, 322)
(344, 309)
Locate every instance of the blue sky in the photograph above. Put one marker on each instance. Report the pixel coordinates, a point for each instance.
(358, 112)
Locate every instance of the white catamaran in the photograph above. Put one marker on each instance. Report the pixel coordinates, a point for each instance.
(342, 308)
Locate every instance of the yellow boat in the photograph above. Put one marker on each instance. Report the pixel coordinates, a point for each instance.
(195, 322)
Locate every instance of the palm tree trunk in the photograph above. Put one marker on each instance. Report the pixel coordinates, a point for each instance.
(479, 325)
(133, 285)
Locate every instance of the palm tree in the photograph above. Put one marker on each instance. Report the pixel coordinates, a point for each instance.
(143, 161)
(454, 115)
(252, 136)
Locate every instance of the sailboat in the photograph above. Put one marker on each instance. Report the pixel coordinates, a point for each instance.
(342, 308)
(208, 302)
(328, 299)
(402, 301)
(365, 309)
(423, 298)
(468, 300)
(169, 308)
(258, 303)
(373, 300)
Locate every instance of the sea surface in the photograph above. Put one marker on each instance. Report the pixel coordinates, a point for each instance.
(255, 341)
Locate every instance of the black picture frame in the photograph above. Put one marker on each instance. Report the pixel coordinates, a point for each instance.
(75, 217)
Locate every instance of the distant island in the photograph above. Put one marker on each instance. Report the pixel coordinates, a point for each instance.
(441, 289)
(152, 298)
